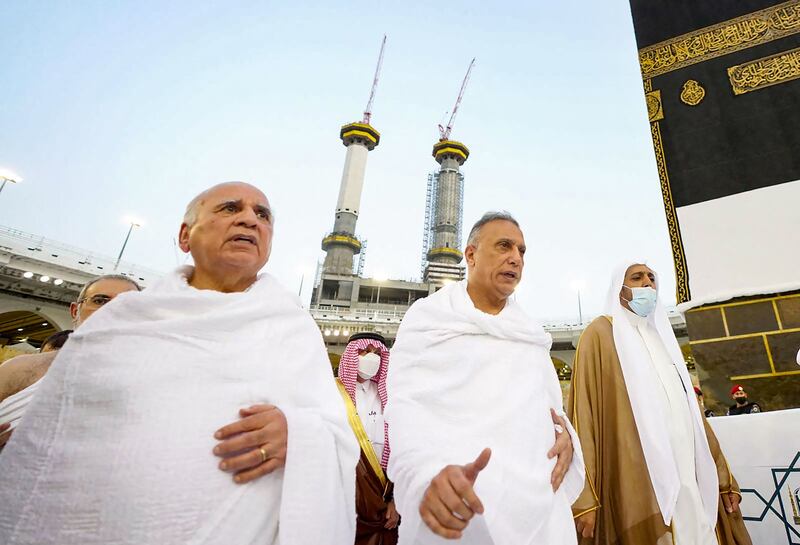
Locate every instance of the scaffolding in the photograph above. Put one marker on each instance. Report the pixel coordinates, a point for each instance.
(460, 221)
(430, 214)
(362, 258)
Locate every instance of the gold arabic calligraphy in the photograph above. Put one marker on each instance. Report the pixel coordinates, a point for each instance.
(765, 72)
(710, 42)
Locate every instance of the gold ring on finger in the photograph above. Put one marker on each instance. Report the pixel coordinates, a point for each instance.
(263, 454)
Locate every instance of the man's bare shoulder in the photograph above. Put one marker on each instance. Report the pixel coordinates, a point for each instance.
(20, 372)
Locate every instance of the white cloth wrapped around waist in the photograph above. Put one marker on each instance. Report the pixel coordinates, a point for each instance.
(117, 447)
(14, 406)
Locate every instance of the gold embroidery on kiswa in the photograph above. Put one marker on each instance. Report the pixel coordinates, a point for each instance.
(655, 111)
(727, 37)
(682, 292)
(765, 72)
(692, 93)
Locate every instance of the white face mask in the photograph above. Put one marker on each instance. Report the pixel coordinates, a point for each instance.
(643, 300)
(368, 365)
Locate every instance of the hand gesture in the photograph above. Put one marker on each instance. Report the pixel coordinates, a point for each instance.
(450, 501)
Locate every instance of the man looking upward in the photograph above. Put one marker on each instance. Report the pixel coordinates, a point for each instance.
(117, 446)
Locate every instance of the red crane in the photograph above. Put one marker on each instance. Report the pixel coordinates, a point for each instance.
(368, 109)
(444, 132)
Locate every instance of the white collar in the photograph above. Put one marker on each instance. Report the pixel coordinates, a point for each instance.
(365, 386)
(634, 319)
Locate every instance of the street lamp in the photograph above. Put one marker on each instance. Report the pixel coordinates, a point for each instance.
(133, 223)
(8, 176)
(578, 285)
(379, 278)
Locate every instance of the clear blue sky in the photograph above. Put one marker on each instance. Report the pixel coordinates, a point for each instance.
(110, 108)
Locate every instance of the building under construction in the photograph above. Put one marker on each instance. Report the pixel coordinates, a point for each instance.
(343, 302)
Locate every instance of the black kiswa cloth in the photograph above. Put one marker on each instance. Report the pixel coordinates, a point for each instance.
(722, 86)
(727, 143)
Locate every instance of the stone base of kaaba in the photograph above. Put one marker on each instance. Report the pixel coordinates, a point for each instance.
(752, 341)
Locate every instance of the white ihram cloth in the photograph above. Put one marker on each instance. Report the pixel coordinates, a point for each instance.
(462, 380)
(642, 360)
(14, 406)
(117, 446)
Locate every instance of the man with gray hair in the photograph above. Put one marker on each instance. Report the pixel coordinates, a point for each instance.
(481, 450)
(127, 442)
(20, 377)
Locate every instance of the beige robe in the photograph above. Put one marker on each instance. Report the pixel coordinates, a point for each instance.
(617, 480)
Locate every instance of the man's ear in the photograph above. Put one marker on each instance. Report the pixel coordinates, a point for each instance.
(183, 238)
(73, 311)
(469, 254)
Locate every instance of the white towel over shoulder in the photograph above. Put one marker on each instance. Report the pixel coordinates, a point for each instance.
(462, 380)
(116, 446)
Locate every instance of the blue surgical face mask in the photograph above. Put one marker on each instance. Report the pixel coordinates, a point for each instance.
(644, 301)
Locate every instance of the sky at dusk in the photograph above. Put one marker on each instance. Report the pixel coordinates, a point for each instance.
(116, 108)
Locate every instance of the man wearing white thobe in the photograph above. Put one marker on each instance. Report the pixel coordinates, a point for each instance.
(688, 525)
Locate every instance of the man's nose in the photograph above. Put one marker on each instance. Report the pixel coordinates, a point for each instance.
(247, 218)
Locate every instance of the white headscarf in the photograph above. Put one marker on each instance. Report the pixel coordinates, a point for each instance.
(649, 413)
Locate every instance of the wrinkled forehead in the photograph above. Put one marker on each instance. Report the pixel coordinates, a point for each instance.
(234, 191)
(502, 229)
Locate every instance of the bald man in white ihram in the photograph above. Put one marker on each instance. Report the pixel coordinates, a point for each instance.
(117, 445)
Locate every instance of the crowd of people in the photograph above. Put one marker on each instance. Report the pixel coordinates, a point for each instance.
(202, 410)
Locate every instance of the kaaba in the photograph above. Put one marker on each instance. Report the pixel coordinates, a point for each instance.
(721, 81)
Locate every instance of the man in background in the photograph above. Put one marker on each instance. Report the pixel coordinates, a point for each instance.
(362, 385)
(20, 376)
(741, 404)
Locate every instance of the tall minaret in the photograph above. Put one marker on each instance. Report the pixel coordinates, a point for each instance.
(341, 245)
(444, 256)
(445, 246)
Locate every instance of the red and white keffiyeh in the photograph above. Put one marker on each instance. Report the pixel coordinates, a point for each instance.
(348, 374)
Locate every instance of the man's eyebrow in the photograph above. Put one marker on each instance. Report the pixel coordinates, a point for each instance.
(263, 208)
(223, 204)
(522, 247)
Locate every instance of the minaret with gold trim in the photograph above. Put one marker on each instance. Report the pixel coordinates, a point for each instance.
(444, 256)
(341, 244)
(445, 252)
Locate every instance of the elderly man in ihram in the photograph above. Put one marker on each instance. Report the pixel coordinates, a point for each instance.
(479, 451)
(119, 446)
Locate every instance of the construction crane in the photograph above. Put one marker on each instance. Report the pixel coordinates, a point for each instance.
(368, 109)
(444, 132)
